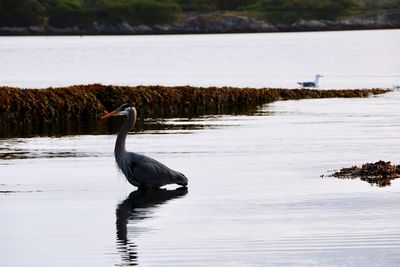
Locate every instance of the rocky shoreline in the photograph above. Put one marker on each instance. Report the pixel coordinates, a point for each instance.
(218, 22)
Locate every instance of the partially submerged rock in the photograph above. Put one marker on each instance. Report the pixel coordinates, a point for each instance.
(380, 173)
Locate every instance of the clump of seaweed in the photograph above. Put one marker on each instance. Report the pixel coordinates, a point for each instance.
(39, 108)
(380, 173)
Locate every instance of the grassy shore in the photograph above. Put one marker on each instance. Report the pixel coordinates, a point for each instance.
(35, 107)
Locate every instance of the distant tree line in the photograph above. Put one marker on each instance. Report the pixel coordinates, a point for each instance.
(294, 10)
(66, 13)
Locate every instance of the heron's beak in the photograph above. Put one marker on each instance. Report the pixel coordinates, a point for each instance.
(113, 113)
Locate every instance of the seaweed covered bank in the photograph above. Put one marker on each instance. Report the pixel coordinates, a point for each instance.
(33, 108)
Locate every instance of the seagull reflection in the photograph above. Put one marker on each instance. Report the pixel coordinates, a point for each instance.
(137, 206)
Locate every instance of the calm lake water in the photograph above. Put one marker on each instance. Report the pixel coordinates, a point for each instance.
(351, 59)
(255, 195)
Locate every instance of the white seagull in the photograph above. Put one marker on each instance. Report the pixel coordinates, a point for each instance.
(313, 84)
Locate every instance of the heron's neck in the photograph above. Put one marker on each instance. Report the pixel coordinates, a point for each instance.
(123, 132)
(316, 79)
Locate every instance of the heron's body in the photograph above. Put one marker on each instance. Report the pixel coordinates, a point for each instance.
(141, 171)
(314, 84)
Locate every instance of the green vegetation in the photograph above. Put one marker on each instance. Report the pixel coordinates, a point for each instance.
(21, 13)
(291, 11)
(66, 13)
(214, 5)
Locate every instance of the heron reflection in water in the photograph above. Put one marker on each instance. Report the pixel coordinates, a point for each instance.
(141, 171)
(127, 212)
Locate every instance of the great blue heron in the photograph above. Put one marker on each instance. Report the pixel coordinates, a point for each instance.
(314, 84)
(141, 171)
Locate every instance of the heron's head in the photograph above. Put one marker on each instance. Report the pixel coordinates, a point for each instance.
(181, 179)
(319, 76)
(121, 111)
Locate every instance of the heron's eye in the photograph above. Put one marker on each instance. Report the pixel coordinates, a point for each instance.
(122, 107)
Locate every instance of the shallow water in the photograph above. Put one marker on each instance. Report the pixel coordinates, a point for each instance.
(350, 59)
(255, 195)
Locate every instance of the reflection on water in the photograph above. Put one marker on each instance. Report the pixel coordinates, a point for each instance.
(138, 206)
(374, 181)
(11, 149)
(15, 154)
(50, 147)
(95, 126)
(13, 192)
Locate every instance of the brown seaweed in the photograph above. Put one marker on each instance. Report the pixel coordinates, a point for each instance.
(380, 173)
(57, 107)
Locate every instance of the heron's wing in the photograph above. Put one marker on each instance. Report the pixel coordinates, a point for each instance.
(150, 171)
